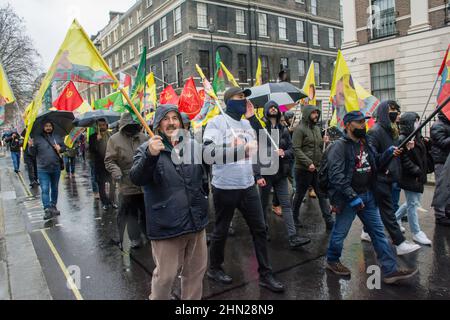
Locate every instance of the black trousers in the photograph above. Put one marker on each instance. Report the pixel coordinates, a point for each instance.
(383, 195)
(31, 164)
(249, 204)
(131, 215)
(102, 177)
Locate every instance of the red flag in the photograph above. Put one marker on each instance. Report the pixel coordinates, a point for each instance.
(168, 96)
(190, 102)
(69, 99)
(444, 61)
(202, 94)
(444, 90)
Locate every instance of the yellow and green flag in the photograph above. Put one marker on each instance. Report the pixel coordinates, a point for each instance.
(309, 87)
(113, 102)
(138, 91)
(151, 97)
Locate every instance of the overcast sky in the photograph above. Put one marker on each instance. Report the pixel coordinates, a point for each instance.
(47, 21)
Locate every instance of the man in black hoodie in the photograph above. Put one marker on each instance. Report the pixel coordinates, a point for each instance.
(383, 135)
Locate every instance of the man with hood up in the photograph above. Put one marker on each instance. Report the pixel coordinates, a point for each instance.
(47, 148)
(118, 161)
(308, 149)
(176, 205)
(383, 135)
(279, 180)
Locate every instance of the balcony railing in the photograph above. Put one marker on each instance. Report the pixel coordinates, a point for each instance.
(384, 25)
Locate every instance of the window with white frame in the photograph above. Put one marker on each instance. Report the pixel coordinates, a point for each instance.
(331, 42)
(140, 45)
(115, 35)
(138, 15)
(177, 20)
(202, 15)
(116, 60)
(282, 31)
(149, 3)
(301, 68)
(317, 73)
(124, 56)
(262, 24)
(130, 23)
(163, 29)
(240, 21)
(314, 7)
(108, 39)
(300, 31)
(122, 29)
(315, 34)
(131, 51)
(165, 71)
(151, 36)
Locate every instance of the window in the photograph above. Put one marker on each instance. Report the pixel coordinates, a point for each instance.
(315, 34)
(204, 62)
(314, 7)
(116, 60)
(122, 29)
(265, 69)
(124, 56)
(222, 18)
(151, 36)
(240, 21)
(301, 68)
(341, 10)
(149, 3)
(282, 32)
(131, 51)
(140, 45)
(179, 61)
(130, 23)
(317, 73)
(163, 29)
(331, 42)
(177, 20)
(382, 77)
(110, 62)
(108, 39)
(165, 71)
(138, 16)
(385, 25)
(202, 15)
(115, 35)
(284, 63)
(103, 45)
(242, 68)
(262, 19)
(300, 31)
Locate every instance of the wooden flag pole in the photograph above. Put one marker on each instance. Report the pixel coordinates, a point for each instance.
(138, 114)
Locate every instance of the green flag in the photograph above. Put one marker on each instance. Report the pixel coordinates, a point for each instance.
(219, 78)
(138, 91)
(112, 102)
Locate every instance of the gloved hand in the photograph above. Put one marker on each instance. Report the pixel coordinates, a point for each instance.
(357, 204)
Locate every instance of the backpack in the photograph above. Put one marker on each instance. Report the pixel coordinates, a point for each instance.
(322, 175)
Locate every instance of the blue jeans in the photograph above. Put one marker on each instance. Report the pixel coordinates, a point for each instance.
(410, 208)
(395, 195)
(16, 160)
(370, 217)
(69, 163)
(49, 182)
(93, 179)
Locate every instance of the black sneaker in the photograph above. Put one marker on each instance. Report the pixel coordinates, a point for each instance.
(231, 231)
(55, 211)
(338, 268)
(48, 214)
(268, 281)
(298, 241)
(219, 276)
(399, 275)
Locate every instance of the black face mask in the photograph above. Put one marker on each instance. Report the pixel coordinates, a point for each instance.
(359, 133)
(393, 116)
(132, 130)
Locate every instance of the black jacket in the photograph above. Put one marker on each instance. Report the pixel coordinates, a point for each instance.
(414, 161)
(380, 138)
(341, 165)
(175, 200)
(440, 138)
(15, 143)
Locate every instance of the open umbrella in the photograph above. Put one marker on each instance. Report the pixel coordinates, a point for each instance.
(88, 119)
(61, 120)
(283, 93)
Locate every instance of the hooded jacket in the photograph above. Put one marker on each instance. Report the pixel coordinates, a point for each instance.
(440, 138)
(307, 141)
(119, 155)
(380, 137)
(414, 161)
(176, 202)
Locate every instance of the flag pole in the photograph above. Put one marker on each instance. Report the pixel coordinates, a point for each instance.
(138, 114)
(429, 97)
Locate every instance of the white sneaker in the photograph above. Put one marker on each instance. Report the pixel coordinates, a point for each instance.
(406, 247)
(365, 236)
(422, 238)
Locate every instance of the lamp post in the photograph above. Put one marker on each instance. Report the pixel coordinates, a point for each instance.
(211, 30)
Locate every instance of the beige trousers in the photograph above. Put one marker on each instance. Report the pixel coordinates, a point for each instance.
(187, 253)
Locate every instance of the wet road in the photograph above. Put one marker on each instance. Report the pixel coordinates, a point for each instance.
(80, 241)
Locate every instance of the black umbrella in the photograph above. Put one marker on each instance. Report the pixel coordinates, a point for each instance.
(61, 120)
(283, 93)
(89, 119)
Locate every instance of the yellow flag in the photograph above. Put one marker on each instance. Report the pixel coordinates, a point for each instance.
(77, 60)
(310, 86)
(343, 95)
(258, 77)
(229, 75)
(151, 93)
(6, 94)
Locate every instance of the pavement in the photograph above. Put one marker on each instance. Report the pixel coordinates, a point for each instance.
(73, 257)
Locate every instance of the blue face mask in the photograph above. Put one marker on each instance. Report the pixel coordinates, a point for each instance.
(238, 107)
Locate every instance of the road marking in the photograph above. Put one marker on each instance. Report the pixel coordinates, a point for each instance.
(24, 185)
(75, 290)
